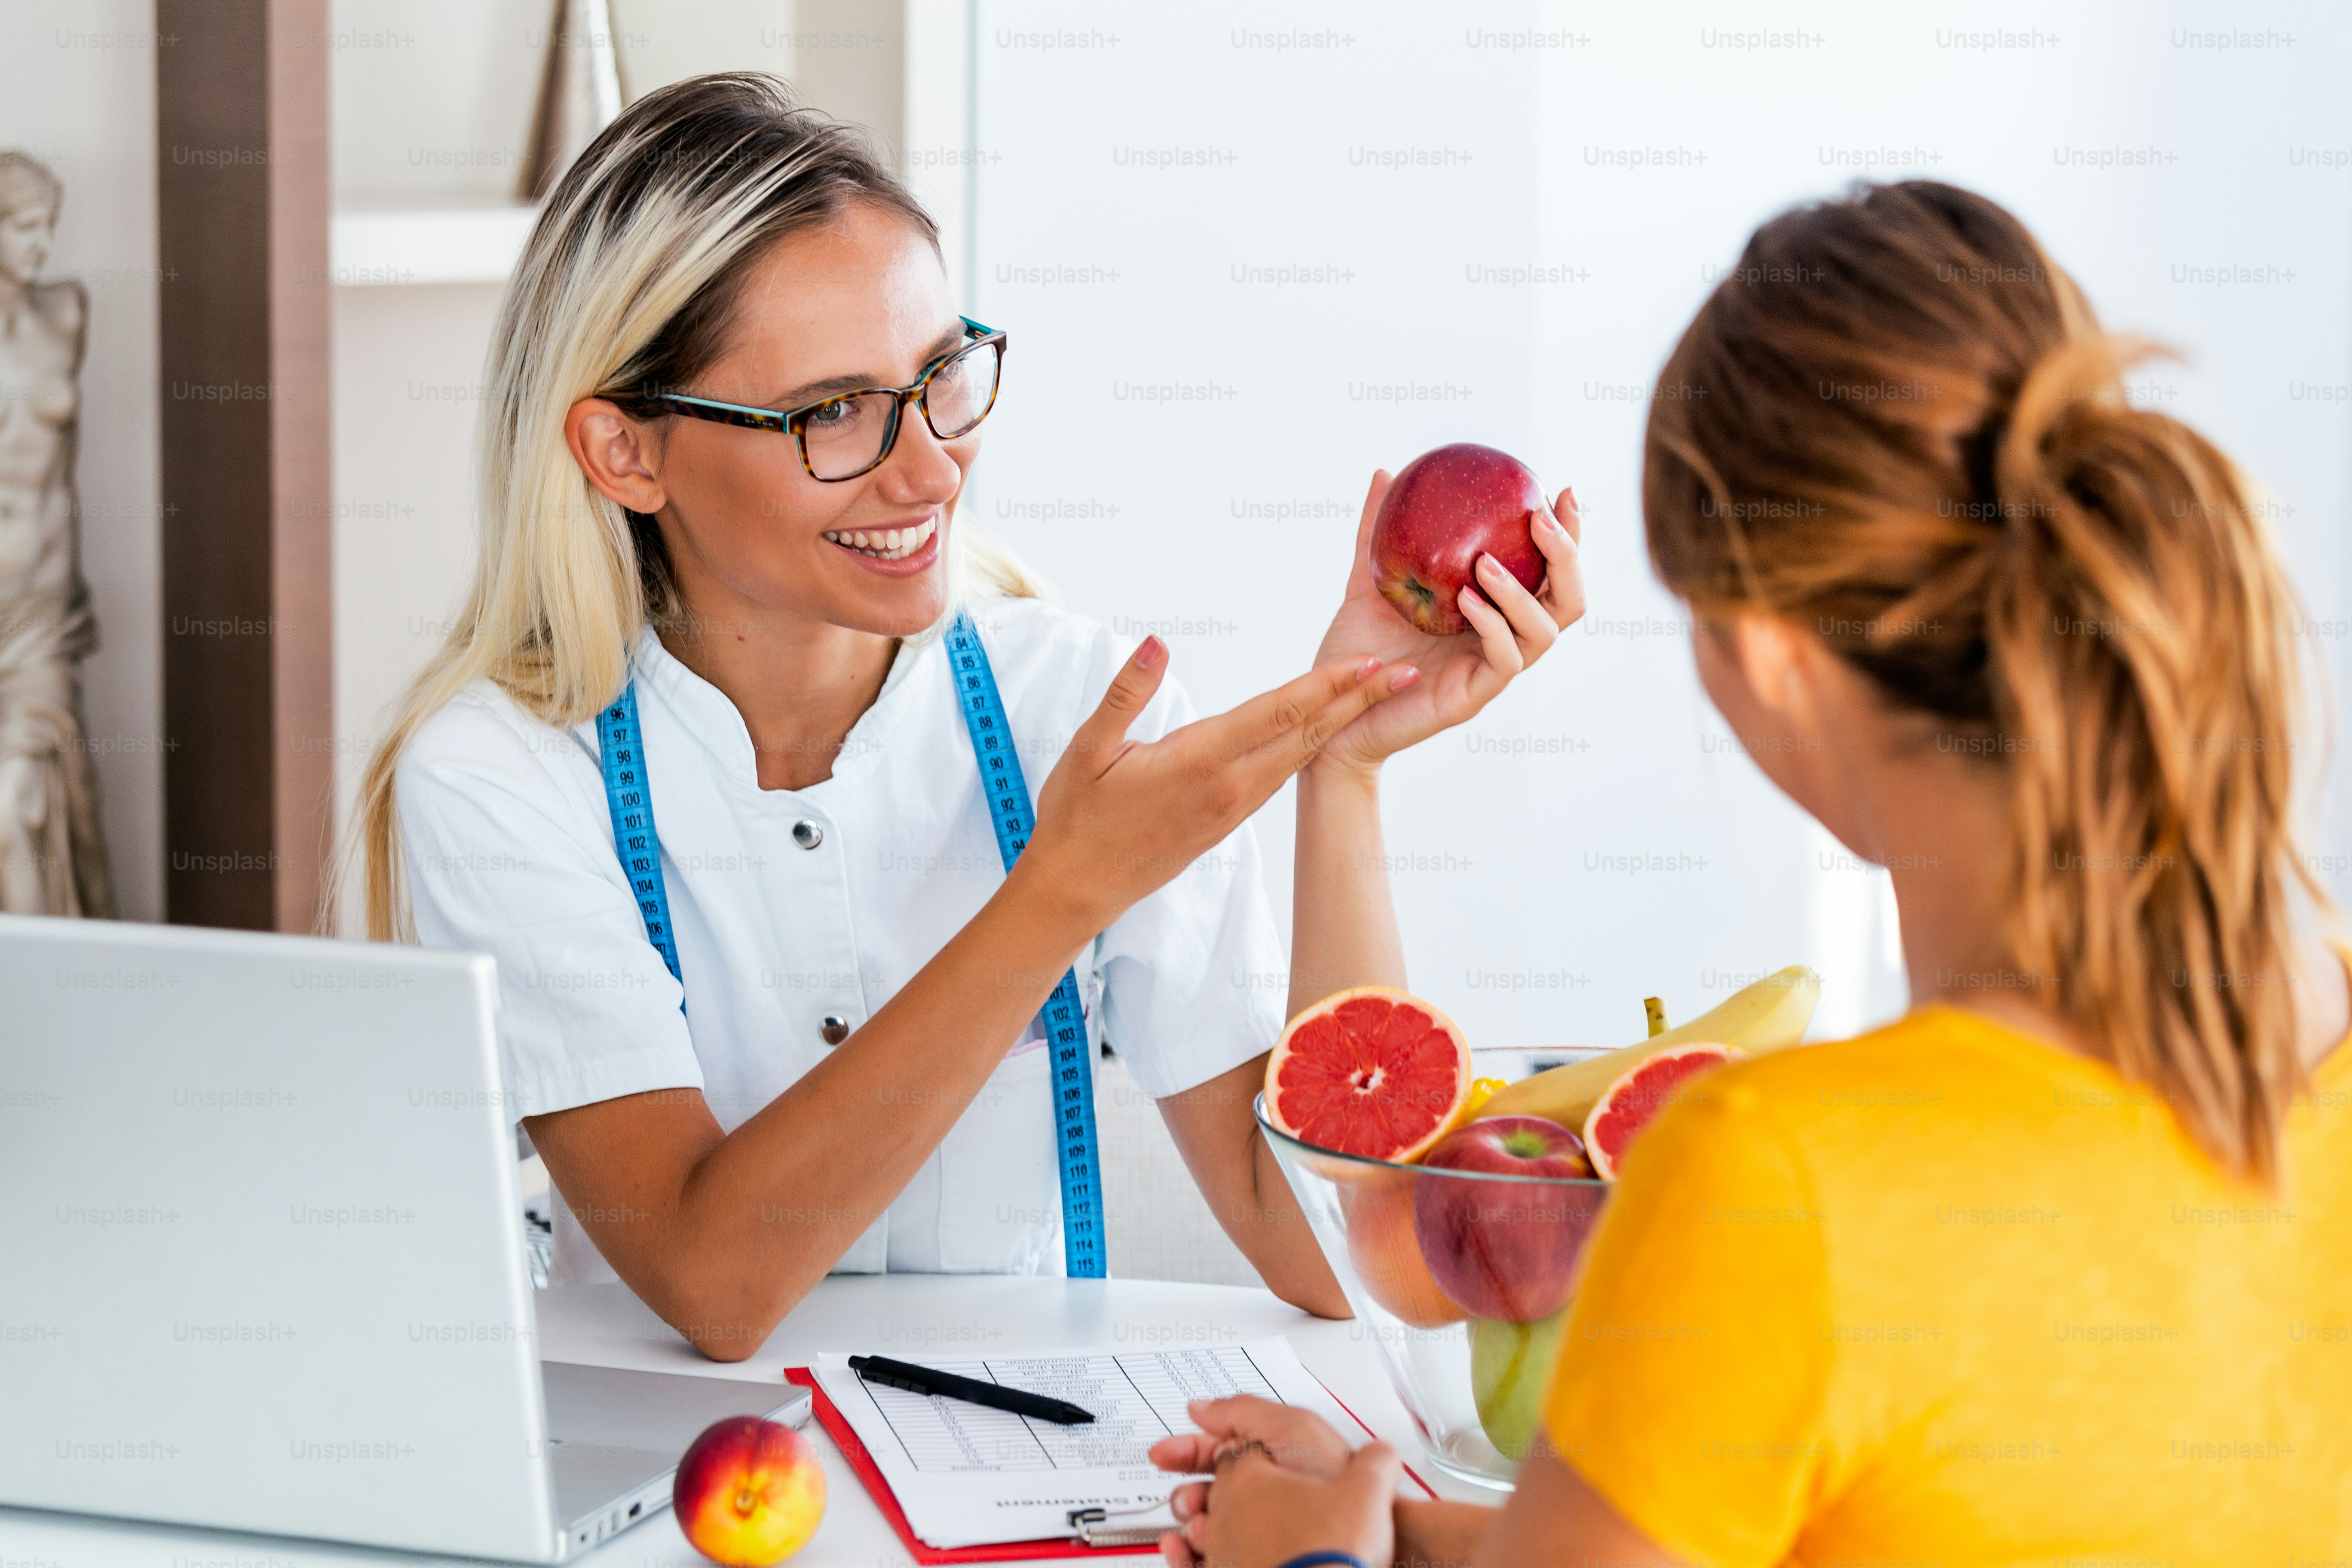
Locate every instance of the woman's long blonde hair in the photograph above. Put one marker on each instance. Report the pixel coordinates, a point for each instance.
(1899, 424)
(629, 279)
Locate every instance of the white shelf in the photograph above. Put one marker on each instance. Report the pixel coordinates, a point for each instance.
(441, 244)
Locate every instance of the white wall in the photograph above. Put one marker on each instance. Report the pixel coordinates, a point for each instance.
(78, 91)
(407, 364)
(1145, 172)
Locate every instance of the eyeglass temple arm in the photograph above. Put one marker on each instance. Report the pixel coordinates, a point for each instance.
(969, 325)
(714, 403)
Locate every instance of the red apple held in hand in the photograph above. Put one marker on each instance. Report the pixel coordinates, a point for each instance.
(1444, 509)
(748, 1492)
(1506, 1250)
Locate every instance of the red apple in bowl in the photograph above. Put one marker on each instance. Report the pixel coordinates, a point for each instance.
(1506, 1250)
(1444, 509)
(748, 1492)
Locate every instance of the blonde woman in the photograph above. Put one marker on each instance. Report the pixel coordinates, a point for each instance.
(2058, 1269)
(732, 741)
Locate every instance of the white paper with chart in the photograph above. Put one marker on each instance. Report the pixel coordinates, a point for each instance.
(970, 1475)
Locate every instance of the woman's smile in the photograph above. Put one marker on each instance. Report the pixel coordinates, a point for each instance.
(899, 552)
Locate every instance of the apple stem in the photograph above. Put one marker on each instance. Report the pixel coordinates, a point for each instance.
(1656, 1008)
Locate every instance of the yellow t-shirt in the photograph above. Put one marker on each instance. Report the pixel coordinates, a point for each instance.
(1944, 1295)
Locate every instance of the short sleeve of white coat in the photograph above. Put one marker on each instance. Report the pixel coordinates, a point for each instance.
(1193, 975)
(508, 850)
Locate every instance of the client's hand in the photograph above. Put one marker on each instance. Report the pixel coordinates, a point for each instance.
(1258, 1514)
(1461, 674)
(1294, 1438)
(1251, 1512)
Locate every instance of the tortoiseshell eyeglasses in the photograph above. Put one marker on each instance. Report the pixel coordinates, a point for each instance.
(851, 433)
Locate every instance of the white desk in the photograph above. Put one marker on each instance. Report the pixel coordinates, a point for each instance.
(897, 1314)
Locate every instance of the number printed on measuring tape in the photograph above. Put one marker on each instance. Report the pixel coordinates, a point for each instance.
(629, 796)
(1063, 1021)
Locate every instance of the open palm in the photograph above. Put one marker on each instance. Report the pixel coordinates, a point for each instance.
(1510, 629)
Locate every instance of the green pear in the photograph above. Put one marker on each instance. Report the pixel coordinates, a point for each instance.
(1510, 1368)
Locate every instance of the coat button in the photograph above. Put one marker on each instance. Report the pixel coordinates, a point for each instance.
(834, 1030)
(807, 834)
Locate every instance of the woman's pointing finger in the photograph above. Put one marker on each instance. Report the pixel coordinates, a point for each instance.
(1104, 734)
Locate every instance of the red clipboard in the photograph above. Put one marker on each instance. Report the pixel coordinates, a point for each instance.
(836, 1427)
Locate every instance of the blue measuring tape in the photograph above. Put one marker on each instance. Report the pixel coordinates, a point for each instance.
(1063, 1021)
(628, 794)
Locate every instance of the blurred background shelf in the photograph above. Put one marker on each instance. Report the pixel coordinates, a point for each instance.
(392, 245)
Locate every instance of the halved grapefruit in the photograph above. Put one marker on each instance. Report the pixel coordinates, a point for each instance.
(1371, 1072)
(1640, 1094)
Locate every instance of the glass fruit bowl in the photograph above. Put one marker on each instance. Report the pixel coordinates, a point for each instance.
(1460, 1279)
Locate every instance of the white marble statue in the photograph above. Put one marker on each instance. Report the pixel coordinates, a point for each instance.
(52, 860)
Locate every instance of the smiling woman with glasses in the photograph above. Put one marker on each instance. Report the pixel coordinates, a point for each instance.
(821, 855)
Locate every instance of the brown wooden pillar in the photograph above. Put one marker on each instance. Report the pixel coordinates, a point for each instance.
(243, 203)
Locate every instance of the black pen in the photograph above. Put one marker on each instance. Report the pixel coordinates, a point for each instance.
(916, 1379)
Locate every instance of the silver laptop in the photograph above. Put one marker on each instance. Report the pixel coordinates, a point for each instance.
(262, 1262)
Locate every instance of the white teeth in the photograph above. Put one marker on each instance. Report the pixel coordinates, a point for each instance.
(885, 544)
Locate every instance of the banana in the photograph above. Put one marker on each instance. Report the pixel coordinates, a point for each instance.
(1767, 1016)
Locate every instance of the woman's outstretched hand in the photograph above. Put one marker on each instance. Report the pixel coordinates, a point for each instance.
(1461, 674)
(1118, 818)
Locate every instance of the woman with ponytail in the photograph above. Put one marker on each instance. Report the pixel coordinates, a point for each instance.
(2058, 1267)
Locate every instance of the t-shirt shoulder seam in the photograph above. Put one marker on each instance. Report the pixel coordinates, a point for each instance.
(519, 764)
(485, 701)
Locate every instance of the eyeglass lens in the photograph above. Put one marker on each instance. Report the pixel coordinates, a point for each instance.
(845, 438)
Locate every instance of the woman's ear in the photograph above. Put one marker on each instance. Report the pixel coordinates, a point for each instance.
(1767, 651)
(1763, 674)
(617, 453)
